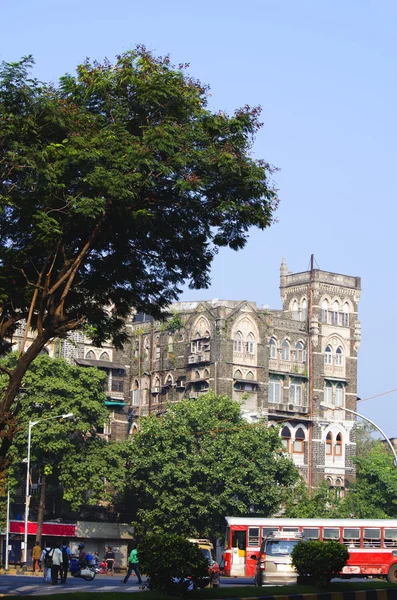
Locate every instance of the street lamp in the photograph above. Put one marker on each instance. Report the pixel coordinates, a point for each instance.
(27, 496)
(369, 421)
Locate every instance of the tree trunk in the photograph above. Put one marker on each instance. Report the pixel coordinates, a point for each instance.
(40, 514)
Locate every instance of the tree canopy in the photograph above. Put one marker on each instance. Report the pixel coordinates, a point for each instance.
(116, 186)
(202, 461)
(69, 453)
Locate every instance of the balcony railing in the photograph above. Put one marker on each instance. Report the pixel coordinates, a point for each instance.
(287, 366)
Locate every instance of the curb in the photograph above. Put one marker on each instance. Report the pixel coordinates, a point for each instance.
(384, 594)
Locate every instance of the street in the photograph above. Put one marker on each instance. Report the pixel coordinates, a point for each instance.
(21, 585)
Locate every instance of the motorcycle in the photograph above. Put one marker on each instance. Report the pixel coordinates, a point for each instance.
(86, 571)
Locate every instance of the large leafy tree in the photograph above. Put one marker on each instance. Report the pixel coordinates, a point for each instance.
(374, 494)
(116, 186)
(68, 455)
(202, 461)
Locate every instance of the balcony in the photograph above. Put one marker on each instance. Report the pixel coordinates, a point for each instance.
(337, 371)
(287, 366)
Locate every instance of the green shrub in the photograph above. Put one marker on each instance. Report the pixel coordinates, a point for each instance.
(168, 561)
(319, 560)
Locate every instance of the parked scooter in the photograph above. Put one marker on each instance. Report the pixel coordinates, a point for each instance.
(86, 571)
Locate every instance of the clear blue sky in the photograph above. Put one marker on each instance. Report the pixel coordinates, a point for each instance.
(325, 74)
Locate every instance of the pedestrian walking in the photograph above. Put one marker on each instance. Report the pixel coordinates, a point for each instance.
(133, 565)
(56, 556)
(65, 562)
(36, 554)
(45, 560)
(110, 559)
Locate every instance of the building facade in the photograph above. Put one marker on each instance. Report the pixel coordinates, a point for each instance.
(295, 367)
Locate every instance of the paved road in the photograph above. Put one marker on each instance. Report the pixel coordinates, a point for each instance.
(21, 585)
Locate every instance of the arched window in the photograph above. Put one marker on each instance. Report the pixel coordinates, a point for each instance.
(285, 350)
(338, 445)
(250, 343)
(328, 444)
(295, 310)
(250, 376)
(238, 374)
(286, 438)
(339, 395)
(90, 354)
(304, 309)
(339, 356)
(157, 385)
(272, 348)
(135, 393)
(299, 443)
(197, 375)
(274, 389)
(158, 349)
(334, 313)
(300, 352)
(169, 381)
(170, 343)
(345, 315)
(104, 356)
(238, 342)
(295, 392)
(328, 393)
(324, 311)
(206, 374)
(328, 356)
(339, 490)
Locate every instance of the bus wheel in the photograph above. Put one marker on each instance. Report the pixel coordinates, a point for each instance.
(392, 574)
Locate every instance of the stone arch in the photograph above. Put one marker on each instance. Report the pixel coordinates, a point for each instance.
(90, 355)
(200, 328)
(169, 380)
(246, 324)
(334, 340)
(104, 356)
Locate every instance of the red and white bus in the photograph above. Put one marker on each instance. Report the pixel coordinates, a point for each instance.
(372, 543)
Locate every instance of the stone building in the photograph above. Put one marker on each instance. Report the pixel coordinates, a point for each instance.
(283, 365)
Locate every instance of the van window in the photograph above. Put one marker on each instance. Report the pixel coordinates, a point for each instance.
(280, 547)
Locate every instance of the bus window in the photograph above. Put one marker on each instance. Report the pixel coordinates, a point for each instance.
(227, 538)
(239, 539)
(290, 529)
(267, 530)
(311, 534)
(330, 533)
(390, 538)
(253, 536)
(371, 538)
(351, 537)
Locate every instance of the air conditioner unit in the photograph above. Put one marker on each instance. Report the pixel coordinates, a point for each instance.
(155, 390)
(192, 359)
(291, 406)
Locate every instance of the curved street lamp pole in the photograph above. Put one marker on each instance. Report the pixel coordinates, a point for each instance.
(369, 421)
(27, 495)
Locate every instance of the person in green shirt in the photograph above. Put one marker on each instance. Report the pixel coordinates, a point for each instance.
(133, 565)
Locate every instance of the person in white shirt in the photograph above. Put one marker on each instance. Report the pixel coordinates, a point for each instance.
(56, 556)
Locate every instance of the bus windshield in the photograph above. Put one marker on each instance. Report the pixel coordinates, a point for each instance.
(280, 547)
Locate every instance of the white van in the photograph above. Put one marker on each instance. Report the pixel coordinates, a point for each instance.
(273, 565)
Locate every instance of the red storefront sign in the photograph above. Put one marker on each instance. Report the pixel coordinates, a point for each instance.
(56, 529)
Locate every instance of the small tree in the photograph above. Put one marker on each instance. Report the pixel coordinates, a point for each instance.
(320, 560)
(172, 563)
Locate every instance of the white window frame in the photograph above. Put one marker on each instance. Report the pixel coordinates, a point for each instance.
(274, 391)
(296, 393)
(328, 355)
(272, 348)
(339, 356)
(285, 350)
